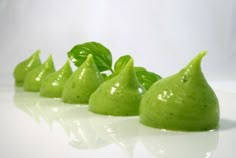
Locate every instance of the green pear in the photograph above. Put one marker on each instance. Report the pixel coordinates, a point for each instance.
(82, 83)
(34, 78)
(23, 68)
(52, 86)
(120, 95)
(183, 101)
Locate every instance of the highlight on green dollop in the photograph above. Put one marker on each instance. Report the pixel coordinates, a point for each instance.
(52, 86)
(183, 101)
(23, 68)
(34, 78)
(120, 95)
(82, 83)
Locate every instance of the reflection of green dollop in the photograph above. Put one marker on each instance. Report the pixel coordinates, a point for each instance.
(52, 85)
(82, 83)
(183, 101)
(22, 69)
(34, 78)
(118, 96)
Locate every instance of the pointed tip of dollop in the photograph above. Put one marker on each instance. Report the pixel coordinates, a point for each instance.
(129, 67)
(89, 62)
(202, 54)
(67, 64)
(49, 61)
(36, 53)
(130, 63)
(195, 64)
(198, 58)
(89, 59)
(66, 67)
(90, 56)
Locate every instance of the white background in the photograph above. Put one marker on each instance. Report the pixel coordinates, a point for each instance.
(161, 35)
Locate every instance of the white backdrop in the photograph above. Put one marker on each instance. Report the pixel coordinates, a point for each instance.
(162, 35)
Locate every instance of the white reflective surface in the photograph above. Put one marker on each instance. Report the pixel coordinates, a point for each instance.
(32, 126)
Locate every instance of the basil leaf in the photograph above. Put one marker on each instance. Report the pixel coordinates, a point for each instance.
(120, 63)
(146, 78)
(102, 56)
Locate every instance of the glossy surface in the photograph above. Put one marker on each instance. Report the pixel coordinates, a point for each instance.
(82, 83)
(24, 67)
(38, 127)
(120, 95)
(34, 78)
(184, 101)
(53, 85)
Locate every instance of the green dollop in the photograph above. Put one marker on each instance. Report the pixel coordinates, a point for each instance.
(52, 86)
(120, 95)
(183, 101)
(82, 83)
(34, 78)
(23, 68)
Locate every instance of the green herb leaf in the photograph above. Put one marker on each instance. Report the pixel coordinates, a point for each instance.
(102, 56)
(120, 63)
(146, 78)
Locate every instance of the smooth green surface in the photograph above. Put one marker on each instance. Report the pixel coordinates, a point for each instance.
(82, 83)
(120, 95)
(52, 86)
(23, 68)
(183, 101)
(34, 78)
